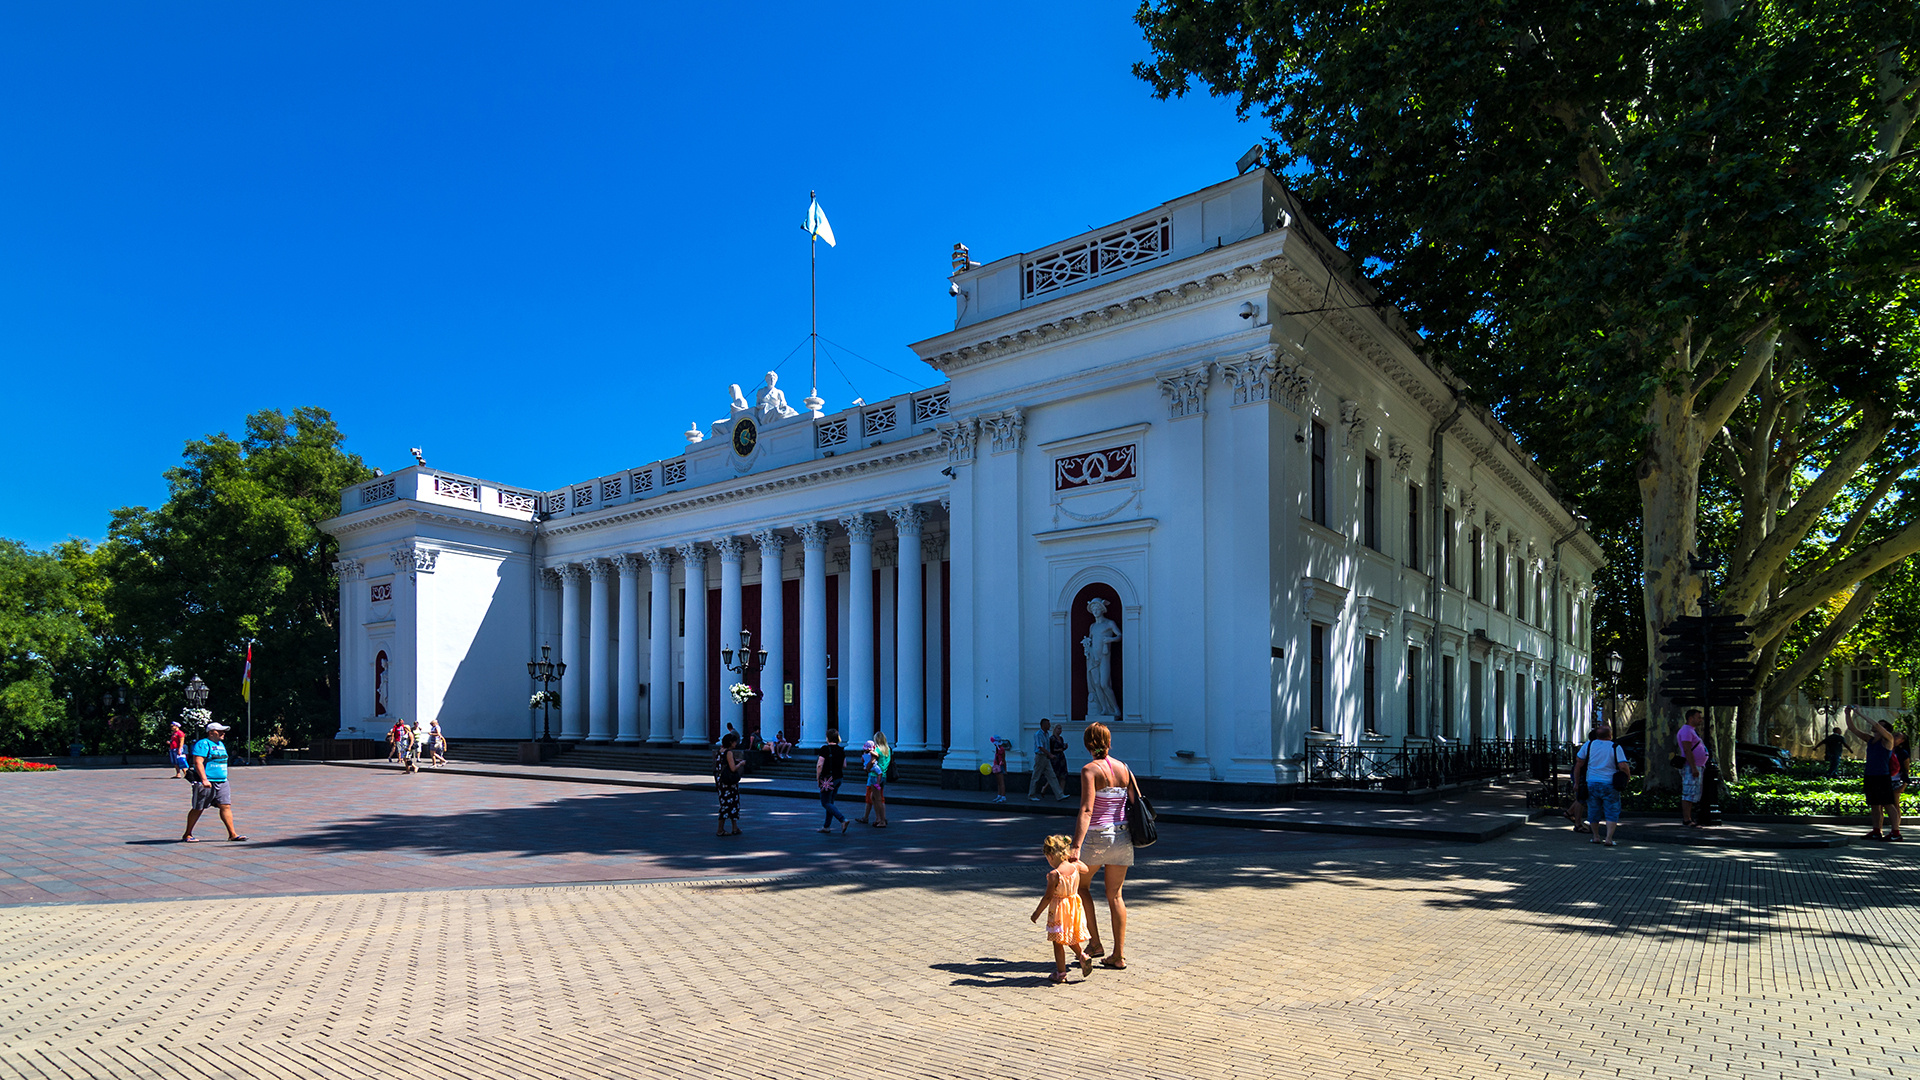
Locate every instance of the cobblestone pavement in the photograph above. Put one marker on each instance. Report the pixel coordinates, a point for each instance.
(1528, 956)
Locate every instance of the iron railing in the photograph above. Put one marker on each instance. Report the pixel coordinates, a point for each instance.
(1381, 767)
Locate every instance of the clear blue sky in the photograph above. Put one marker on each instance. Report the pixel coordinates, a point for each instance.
(536, 240)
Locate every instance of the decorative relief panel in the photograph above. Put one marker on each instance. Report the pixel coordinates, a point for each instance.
(831, 433)
(642, 481)
(610, 489)
(557, 503)
(1006, 428)
(930, 408)
(380, 593)
(514, 500)
(376, 492)
(583, 496)
(1400, 453)
(676, 473)
(414, 561)
(1094, 468)
(879, 421)
(1186, 390)
(1083, 262)
(450, 488)
(1353, 425)
(347, 569)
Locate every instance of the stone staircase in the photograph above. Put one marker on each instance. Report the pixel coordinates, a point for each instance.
(915, 768)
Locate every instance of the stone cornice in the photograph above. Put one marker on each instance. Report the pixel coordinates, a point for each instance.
(897, 455)
(387, 514)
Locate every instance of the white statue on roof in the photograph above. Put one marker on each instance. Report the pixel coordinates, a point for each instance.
(773, 401)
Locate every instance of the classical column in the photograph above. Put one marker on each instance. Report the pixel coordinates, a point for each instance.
(660, 642)
(353, 696)
(693, 651)
(813, 635)
(856, 668)
(576, 676)
(936, 664)
(909, 664)
(884, 641)
(600, 653)
(628, 694)
(773, 637)
(730, 549)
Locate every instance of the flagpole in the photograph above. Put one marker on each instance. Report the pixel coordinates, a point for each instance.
(813, 298)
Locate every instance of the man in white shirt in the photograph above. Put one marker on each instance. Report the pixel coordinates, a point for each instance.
(1043, 764)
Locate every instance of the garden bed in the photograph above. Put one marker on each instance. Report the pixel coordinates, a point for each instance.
(1782, 796)
(14, 764)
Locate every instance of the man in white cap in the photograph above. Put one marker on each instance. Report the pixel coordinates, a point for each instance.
(208, 772)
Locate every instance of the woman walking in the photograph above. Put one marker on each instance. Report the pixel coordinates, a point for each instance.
(727, 767)
(828, 768)
(1102, 839)
(437, 743)
(1607, 769)
(879, 756)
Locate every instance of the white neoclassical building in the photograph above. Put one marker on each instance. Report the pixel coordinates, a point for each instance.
(1180, 474)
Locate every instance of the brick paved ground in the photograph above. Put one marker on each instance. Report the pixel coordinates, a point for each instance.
(1529, 956)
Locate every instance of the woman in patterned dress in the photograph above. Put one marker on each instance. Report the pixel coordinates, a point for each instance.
(727, 766)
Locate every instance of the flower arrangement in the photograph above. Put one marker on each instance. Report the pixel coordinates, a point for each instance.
(14, 764)
(742, 693)
(197, 717)
(544, 697)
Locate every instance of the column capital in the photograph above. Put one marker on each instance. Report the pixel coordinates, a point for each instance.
(907, 519)
(661, 559)
(813, 534)
(568, 573)
(599, 570)
(859, 528)
(730, 548)
(347, 569)
(772, 544)
(692, 554)
(628, 563)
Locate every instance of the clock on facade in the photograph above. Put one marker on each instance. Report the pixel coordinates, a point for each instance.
(744, 436)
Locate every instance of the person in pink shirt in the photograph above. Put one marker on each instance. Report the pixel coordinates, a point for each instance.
(1693, 765)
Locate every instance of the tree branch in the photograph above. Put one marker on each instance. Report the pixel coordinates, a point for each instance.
(1759, 350)
(1829, 583)
(1781, 683)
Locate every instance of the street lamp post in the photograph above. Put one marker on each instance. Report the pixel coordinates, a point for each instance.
(1613, 668)
(747, 665)
(546, 672)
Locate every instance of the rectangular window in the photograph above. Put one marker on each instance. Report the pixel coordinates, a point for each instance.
(1369, 703)
(1414, 726)
(1446, 551)
(1370, 503)
(1317, 678)
(683, 613)
(1320, 473)
(1499, 577)
(1540, 709)
(1413, 526)
(1498, 727)
(1473, 563)
(1476, 698)
(1519, 705)
(1446, 698)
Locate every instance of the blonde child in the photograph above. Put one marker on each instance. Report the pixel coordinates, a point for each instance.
(1066, 919)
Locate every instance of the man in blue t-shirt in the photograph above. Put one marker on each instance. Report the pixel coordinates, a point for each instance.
(208, 770)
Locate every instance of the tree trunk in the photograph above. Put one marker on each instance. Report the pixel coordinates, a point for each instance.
(1669, 509)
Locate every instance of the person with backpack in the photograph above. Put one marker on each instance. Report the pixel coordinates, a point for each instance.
(1606, 770)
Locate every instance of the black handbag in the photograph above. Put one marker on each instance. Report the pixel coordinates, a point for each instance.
(1140, 823)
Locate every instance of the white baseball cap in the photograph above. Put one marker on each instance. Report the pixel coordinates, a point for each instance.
(217, 726)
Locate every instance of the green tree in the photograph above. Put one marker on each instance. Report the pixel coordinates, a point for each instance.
(41, 629)
(1627, 216)
(235, 555)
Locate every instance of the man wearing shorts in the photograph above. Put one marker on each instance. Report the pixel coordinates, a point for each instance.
(209, 775)
(1880, 794)
(1693, 767)
(177, 751)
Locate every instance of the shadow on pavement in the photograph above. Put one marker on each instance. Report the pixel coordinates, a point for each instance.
(995, 972)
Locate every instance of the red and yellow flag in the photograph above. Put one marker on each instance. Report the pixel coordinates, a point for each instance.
(246, 677)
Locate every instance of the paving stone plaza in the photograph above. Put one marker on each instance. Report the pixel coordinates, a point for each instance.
(457, 926)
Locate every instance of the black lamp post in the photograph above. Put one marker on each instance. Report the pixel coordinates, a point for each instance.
(196, 694)
(747, 665)
(1613, 668)
(546, 672)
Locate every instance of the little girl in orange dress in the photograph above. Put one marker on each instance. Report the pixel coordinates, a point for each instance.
(1066, 920)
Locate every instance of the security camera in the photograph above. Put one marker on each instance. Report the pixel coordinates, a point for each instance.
(1248, 311)
(953, 289)
(947, 472)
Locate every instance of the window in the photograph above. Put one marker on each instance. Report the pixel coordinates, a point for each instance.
(1446, 698)
(1540, 599)
(1519, 705)
(1540, 709)
(1498, 727)
(683, 613)
(1476, 698)
(1473, 563)
(1870, 686)
(1317, 662)
(1370, 504)
(1369, 713)
(1320, 473)
(1413, 525)
(1414, 726)
(1446, 551)
(1499, 577)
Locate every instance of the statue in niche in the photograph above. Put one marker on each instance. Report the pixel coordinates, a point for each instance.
(1100, 638)
(773, 400)
(380, 684)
